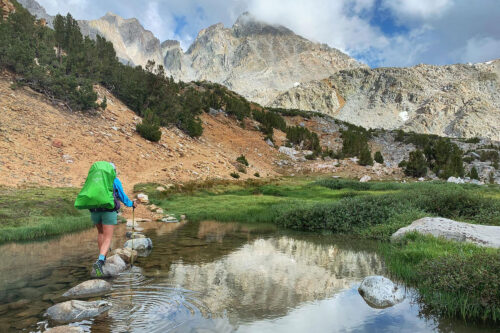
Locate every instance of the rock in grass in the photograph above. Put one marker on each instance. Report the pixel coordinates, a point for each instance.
(64, 329)
(365, 179)
(76, 310)
(482, 235)
(380, 292)
(114, 266)
(139, 244)
(89, 288)
(128, 255)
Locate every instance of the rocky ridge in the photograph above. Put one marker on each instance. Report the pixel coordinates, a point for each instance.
(255, 59)
(460, 100)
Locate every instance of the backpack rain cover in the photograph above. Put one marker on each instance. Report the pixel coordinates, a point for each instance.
(97, 192)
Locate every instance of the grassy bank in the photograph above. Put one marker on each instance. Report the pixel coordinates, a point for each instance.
(39, 212)
(457, 280)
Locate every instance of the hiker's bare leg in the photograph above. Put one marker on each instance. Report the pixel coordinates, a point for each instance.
(106, 240)
(100, 235)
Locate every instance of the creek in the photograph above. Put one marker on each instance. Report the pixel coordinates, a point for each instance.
(213, 277)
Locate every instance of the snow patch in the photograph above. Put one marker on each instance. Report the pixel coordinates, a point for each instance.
(404, 115)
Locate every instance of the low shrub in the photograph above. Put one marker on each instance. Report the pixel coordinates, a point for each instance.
(235, 175)
(256, 174)
(149, 129)
(242, 159)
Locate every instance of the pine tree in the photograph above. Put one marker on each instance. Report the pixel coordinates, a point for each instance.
(379, 158)
(417, 165)
(473, 173)
(365, 156)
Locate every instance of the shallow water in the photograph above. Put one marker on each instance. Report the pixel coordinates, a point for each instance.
(212, 277)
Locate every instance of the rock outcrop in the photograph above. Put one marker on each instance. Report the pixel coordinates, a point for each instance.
(380, 292)
(88, 289)
(76, 310)
(482, 235)
(460, 100)
(6, 7)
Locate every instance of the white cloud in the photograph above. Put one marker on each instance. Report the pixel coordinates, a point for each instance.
(432, 31)
(481, 49)
(405, 9)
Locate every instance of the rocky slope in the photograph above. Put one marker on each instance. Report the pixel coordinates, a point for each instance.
(255, 59)
(457, 100)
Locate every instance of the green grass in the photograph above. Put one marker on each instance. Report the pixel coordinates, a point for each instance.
(454, 279)
(35, 213)
(372, 210)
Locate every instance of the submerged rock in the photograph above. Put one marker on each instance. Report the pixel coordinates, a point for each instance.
(88, 288)
(76, 310)
(380, 292)
(65, 329)
(139, 244)
(482, 235)
(114, 266)
(128, 255)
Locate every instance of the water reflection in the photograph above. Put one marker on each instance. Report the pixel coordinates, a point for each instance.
(269, 276)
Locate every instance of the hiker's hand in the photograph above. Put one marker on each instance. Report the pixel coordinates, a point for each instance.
(134, 204)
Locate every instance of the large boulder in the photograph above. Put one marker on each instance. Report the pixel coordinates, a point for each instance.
(128, 255)
(380, 292)
(114, 266)
(76, 310)
(88, 289)
(65, 329)
(139, 244)
(482, 235)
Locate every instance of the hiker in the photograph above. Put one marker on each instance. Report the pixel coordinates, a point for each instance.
(102, 194)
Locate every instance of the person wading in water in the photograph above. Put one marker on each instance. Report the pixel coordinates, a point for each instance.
(102, 194)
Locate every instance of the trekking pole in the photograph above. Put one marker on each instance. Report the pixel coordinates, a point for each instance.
(133, 236)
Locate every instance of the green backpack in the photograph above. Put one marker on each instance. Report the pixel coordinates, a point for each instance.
(97, 192)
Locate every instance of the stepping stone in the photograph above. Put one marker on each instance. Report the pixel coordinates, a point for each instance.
(88, 289)
(134, 235)
(128, 255)
(139, 244)
(76, 310)
(114, 265)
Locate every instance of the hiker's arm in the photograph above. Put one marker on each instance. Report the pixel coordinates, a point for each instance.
(121, 194)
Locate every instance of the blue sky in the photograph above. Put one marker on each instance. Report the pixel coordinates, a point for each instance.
(377, 32)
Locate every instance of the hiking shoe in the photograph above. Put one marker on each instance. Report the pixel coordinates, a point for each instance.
(98, 268)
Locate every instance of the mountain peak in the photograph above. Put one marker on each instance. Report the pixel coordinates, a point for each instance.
(247, 24)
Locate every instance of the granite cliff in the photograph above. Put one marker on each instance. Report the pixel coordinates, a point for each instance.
(461, 100)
